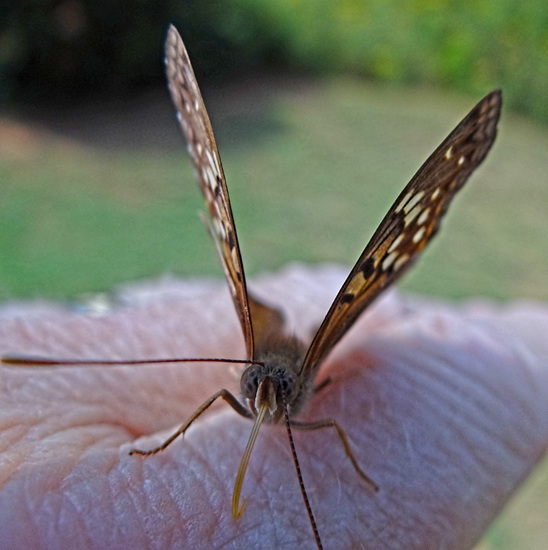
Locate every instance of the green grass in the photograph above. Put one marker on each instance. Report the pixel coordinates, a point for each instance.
(312, 170)
(311, 174)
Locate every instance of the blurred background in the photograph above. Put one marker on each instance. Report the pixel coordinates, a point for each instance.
(322, 109)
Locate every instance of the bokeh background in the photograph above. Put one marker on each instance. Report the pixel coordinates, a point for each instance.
(322, 109)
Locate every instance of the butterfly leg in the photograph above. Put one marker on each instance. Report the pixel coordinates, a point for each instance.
(224, 394)
(331, 423)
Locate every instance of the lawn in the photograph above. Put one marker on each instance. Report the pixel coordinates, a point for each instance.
(98, 196)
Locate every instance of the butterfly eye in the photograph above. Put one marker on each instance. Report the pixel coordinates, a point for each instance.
(288, 383)
(250, 381)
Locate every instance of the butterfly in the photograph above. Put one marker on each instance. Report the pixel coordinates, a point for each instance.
(280, 370)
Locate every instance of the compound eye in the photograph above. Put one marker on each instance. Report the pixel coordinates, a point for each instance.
(288, 384)
(250, 382)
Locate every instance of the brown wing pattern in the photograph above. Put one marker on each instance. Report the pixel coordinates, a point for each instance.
(267, 322)
(194, 120)
(410, 223)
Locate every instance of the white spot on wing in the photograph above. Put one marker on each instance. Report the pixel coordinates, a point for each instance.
(219, 228)
(424, 216)
(403, 201)
(217, 168)
(210, 178)
(412, 215)
(214, 167)
(396, 242)
(414, 200)
(389, 260)
(400, 261)
(419, 235)
(449, 153)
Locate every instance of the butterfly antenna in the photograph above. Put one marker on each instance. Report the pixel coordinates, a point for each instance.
(300, 477)
(28, 361)
(236, 510)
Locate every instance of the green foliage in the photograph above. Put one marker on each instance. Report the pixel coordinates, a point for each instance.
(468, 45)
(59, 49)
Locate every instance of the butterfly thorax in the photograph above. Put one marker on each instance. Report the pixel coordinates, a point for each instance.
(277, 378)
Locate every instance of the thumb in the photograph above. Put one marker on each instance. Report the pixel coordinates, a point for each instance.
(444, 407)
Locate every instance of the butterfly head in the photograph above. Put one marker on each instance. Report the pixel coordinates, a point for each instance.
(273, 389)
(274, 379)
(269, 385)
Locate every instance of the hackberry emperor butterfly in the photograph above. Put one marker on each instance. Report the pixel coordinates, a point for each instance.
(280, 372)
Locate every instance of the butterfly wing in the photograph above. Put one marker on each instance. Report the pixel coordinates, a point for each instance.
(194, 120)
(409, 224)
(268, 322)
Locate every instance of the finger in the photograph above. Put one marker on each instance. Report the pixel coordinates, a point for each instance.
(443, 414)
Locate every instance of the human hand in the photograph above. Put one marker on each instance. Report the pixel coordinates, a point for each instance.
(445, 408)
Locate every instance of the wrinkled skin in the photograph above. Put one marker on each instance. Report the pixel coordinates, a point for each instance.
(445, 407)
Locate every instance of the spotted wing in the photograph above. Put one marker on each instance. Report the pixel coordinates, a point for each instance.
(410, 223)
(196, 126)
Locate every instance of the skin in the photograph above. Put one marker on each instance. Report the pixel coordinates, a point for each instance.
(445, 407)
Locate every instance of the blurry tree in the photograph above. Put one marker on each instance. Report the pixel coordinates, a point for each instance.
(59, 49)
